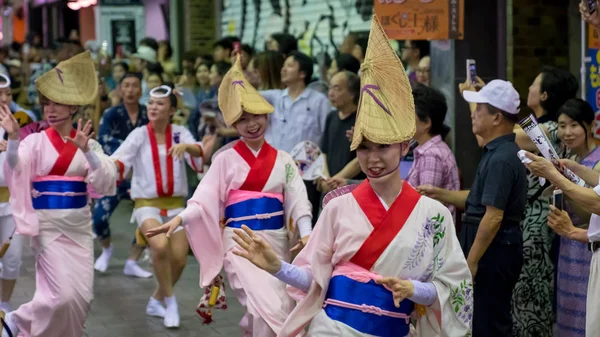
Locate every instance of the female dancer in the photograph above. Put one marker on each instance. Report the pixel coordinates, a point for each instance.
(11, 261)
(159, 191)
(378, 251)
(250, 183)
(47, 177)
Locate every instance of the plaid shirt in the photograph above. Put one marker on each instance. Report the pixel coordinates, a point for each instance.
(435, 165)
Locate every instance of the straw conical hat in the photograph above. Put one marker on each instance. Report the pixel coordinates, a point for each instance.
(237, 95)
(386, 110)
(71, 82)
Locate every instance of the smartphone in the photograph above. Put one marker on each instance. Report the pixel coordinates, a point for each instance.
(591, 5)
(471, 71)
(557, 199)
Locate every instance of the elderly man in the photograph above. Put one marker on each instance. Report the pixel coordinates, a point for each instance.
(491, 237)
(589, 199)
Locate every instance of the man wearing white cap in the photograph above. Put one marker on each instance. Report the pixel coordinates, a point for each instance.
(491, 237)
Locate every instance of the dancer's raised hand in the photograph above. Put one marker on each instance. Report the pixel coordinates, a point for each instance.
(9, 123)
(82, 136)
(256, 250)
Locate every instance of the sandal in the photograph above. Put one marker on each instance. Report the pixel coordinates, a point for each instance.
(4, 324)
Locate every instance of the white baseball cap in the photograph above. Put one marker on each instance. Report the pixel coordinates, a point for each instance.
(499, 94)
(146, 53)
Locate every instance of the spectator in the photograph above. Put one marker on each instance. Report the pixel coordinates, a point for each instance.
(119, 69)
(575, 120)
(300, 113)
(203, 87)
(424, 71)
(165, 54)
(434, 163)
(151, 68)
(143, 57)
(283, 43)
(360, 48)
(535, 309)
(246, 56)
(490, 236)
(217, 71)
(150, 42)
(348, 44)
(343, 62)
(341, 164)
(222, 49)
(154, 80)
(322, 83)
(268, 66)
(412, 53)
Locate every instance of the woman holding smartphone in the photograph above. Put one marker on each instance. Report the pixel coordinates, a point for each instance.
(575, 120)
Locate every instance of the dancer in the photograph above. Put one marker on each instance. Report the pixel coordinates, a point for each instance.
(11, 261)
(47, 179)
(116, 124)
(159, 191)
(378, 251)
(253, 184)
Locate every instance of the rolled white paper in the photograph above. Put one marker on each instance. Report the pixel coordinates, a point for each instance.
(538, 136)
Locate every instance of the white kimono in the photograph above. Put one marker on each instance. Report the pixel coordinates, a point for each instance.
(159, 184)
(62, 238)
(357, 239)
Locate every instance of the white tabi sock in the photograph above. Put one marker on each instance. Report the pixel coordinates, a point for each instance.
(172, 313)
(155, 308)
(102, 262)
(133, 269)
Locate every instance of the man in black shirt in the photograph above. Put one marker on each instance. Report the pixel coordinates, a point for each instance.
(491, 237)
(340, 163)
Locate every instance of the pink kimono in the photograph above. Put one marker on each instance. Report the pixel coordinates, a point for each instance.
(355, 242)
(48, 195)
(266, 193)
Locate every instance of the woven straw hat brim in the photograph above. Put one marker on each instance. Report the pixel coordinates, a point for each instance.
(71, 82)
(386, 110)
(237, 95)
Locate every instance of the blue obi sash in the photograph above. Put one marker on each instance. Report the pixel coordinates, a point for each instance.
(344, 289)
(253, 209)
(55, 198)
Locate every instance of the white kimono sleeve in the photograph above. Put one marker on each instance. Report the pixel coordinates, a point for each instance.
(297, 208)
(103, 173)
(451, 314)
(127, 152)
(196, 163)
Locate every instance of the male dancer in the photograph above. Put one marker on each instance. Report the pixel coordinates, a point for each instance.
(115, 125)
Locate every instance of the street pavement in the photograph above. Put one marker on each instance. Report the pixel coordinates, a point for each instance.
(119, 307)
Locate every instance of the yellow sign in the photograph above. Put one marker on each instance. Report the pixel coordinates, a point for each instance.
(22, 118)
(593, 40)
(421, 19)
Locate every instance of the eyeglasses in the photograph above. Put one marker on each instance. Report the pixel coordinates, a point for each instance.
(423, 70)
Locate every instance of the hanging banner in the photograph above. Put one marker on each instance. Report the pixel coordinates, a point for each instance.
(592, 77)
(422, 19)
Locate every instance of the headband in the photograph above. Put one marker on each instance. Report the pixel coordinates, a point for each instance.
(168, 91)
(156, 94)
(5, 78)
